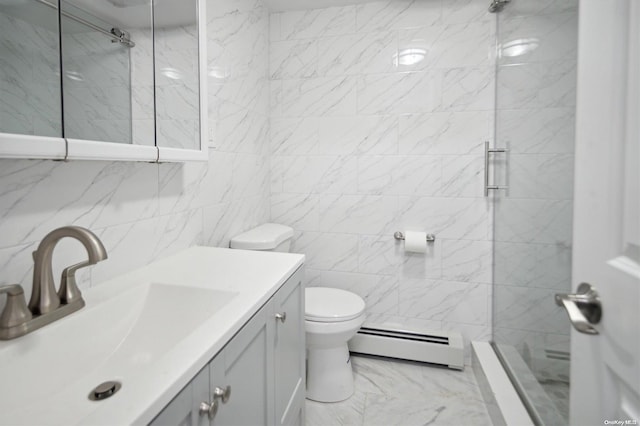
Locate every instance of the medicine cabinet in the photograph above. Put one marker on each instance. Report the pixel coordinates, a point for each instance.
(103, 80)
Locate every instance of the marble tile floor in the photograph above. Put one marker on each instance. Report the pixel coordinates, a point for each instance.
(390, 392)
(558, 391)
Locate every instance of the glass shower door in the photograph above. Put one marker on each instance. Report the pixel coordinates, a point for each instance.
(535, 114)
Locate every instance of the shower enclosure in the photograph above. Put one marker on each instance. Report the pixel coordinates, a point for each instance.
(532, 160)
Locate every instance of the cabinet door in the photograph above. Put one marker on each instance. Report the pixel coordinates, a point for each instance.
(290, 351)
(183, 410)
(246, 365)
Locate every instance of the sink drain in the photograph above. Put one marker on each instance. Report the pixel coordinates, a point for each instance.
(104, 390)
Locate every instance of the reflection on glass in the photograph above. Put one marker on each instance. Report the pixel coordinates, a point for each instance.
(409, 56)
(531, 333)
(177, 83)
(218, 74)
(29, 69)
(106, 59)
(519, 47)
(97, 79)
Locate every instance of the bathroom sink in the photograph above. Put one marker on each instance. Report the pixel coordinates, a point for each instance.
(112, 338)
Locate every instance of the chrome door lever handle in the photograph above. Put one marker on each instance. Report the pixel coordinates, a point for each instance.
(583, 307)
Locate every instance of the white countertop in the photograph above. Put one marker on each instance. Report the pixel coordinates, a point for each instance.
(254, 276)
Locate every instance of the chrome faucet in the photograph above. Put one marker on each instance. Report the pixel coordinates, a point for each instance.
(44, 298)
(47, 306)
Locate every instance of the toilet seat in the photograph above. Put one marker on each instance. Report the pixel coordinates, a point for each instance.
(328, 305)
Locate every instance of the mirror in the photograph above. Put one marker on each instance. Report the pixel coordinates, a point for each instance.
(176, 74)
(30, 101)
(107, 57)
(119, 81)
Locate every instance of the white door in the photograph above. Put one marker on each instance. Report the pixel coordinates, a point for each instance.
(605, 367)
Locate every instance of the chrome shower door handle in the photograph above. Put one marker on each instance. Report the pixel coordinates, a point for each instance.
(487, 152)
(583, 307)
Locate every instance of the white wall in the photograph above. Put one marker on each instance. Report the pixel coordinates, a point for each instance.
(143, 211)
(362, 147)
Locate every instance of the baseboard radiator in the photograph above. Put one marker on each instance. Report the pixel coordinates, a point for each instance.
(443, 348)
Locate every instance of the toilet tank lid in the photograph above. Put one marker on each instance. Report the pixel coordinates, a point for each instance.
(264, 237)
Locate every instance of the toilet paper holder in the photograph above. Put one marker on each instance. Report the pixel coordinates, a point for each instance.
(398, 235)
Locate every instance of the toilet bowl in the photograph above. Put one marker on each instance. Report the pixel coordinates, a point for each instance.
(332, 317)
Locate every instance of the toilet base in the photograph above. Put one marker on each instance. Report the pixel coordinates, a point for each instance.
(329, 374)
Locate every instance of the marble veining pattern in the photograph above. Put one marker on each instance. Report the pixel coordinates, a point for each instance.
(441, 133)
(347, 142)
(97, 87)
(354, 54)
(29, 83)
(533, 226)
(548, 396)
(143, 211)
(379, 112)
(404, 393)
(382, 15)
(535, 105)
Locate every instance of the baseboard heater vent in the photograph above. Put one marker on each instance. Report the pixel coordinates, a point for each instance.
(444, 348)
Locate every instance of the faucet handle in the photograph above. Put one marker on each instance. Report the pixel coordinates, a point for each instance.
(69, 291)
(15, 312)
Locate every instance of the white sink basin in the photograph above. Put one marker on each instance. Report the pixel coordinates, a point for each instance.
(138, 329)
(112, 339)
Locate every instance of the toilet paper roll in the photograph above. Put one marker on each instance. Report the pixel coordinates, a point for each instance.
(415, 242)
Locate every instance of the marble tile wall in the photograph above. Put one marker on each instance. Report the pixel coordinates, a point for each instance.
(30, 77)
(536, 78)
(367, 119)
(144, 211)
(379, 112)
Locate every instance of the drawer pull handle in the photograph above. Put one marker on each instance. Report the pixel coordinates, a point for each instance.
(210, 409)
(282, 317)
(222, 394)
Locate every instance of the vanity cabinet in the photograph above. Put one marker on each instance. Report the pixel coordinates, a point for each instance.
(290, 356)
(183, 410)
(244, 366)
(263, 365)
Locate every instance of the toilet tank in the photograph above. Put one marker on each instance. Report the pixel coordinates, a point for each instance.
(267, 237)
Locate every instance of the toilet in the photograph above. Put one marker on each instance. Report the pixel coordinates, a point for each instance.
(332, 317)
